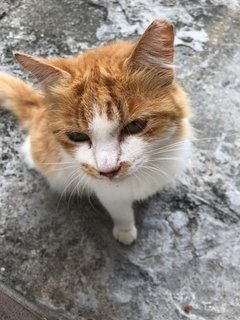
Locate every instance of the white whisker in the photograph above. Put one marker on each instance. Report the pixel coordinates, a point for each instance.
(60, 169)
(155, 169)
(59, 163)
(146, 175)
(75, 188)
(135, 174)
(163, 159)
(68, 182)
(167, 150)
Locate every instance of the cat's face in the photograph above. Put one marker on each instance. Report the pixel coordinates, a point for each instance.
(113, 108)
(113, 131)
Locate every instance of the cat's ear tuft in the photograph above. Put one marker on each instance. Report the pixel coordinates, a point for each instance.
(42, 69)
(155, 49)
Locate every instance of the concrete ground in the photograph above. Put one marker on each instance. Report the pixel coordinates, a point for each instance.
(60, 254)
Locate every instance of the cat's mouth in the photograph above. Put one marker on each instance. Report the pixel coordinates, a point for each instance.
(114, 175)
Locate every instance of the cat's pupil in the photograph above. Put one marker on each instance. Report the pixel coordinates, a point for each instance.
(78, 136)
(135, 127)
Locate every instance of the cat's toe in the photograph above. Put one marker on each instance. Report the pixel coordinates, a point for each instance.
(125, 236)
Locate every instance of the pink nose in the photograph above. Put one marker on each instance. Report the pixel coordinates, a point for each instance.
(110, 174)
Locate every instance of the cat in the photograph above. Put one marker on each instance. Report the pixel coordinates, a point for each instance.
(112, 121)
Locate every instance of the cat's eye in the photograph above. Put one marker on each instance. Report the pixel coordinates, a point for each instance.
(78, 136)
(135, 126)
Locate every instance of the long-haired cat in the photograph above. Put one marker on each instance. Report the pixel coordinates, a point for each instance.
(111, 121)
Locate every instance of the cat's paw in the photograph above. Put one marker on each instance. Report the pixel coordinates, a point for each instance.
(125, 236)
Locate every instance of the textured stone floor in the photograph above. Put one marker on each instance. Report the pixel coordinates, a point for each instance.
(61, 254)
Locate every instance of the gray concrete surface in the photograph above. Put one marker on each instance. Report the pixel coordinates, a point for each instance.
(61, 254)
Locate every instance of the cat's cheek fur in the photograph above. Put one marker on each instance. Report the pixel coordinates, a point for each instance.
(84, 155)
(65, 178)
(133, 151)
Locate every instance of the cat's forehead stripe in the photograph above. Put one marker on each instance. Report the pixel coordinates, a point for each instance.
(107, 109)
(101, 125)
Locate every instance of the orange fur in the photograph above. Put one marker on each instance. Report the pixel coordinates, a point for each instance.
(20, 98)
(112, 120)
(113, 78)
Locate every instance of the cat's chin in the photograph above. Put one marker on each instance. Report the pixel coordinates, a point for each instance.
(114, 179)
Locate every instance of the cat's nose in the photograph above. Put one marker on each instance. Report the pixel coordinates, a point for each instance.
(110, 173)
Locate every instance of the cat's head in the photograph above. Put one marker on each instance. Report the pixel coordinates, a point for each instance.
(113, 108)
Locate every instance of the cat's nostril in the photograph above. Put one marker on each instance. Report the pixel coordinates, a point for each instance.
(110, 174)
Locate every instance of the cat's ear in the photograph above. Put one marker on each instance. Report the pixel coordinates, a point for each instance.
(155, 49)
(46, 73)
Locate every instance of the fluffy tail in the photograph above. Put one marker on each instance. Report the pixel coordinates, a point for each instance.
(20, 98)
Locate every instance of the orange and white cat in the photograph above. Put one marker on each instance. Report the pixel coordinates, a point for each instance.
(111, 121)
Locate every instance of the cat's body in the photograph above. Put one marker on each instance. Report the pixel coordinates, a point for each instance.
(111, 122)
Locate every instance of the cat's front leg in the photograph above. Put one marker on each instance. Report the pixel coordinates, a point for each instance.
(124, 229)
